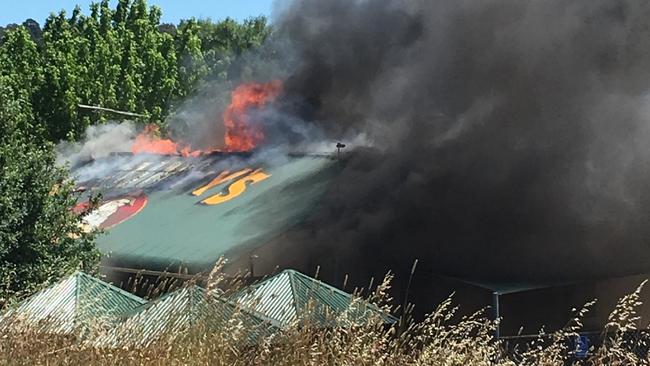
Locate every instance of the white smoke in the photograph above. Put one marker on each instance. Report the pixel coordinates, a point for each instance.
(99, 142)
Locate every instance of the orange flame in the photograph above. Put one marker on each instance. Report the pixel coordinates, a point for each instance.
(241, 134)
(149, 141)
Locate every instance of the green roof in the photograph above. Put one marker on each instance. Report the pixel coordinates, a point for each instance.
(290, 296)
(80, 302)
(177, 226)
(73, 304)
(177, 312)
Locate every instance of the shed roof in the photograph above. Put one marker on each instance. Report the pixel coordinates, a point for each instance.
(177, 312)
(72, 304)
(259, 311)
(291, 296)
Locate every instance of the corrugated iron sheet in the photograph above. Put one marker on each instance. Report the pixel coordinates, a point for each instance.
(77, 302)
(291, 296)
(178, 312)
(149, 321)
(83, 305)
(273, 298)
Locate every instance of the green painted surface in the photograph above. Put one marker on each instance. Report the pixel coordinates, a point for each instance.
(291, 296)
(175, 228)
(73, 304)
(177, 312)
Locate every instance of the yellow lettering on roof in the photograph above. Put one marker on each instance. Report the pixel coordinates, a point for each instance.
(225, 176)
(237, 188)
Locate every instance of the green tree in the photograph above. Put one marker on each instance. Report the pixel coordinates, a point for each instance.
(40, 237)
(21, 70)
(122, 59)
(107, 58)
(63, 72)
(192, 67)
(20, 60)
(224, 42)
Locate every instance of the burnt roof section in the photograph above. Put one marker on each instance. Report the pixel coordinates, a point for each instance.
(198, 209)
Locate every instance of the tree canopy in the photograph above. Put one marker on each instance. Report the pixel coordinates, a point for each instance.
(121, 58)
(40, 236)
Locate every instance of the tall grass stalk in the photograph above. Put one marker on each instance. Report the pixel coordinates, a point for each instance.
(439, 339)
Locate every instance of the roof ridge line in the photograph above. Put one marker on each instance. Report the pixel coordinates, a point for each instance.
(113, 288)
(151, 303)
(230, 301)
(366, 302)
(164, 297)
(323, 284)
(294, 295)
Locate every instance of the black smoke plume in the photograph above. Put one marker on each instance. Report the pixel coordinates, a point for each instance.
(510, 138)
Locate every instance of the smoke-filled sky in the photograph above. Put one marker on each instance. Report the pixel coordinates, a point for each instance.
(510, 137)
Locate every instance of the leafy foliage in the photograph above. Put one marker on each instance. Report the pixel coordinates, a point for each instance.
(121, 58)
(40, 238)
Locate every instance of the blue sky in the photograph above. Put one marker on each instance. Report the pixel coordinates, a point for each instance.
(173, 10)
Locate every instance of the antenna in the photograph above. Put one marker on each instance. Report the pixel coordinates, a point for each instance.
(339, 146)
(251, 264)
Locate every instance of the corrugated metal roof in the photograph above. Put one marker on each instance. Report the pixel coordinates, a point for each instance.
(72, 304)
(80, 302)
(273, 297)
(177, 227)
(291, 296)
(177, 312)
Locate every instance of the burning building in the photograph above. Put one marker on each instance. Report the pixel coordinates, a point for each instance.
(163, 212)
(168, 206)
(511, 154)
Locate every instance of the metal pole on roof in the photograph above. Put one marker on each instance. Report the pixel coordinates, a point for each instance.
(496, 315)
(339, 146)
(252, 264)
(99, 108)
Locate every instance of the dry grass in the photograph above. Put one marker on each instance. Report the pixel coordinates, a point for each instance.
(440, 339)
